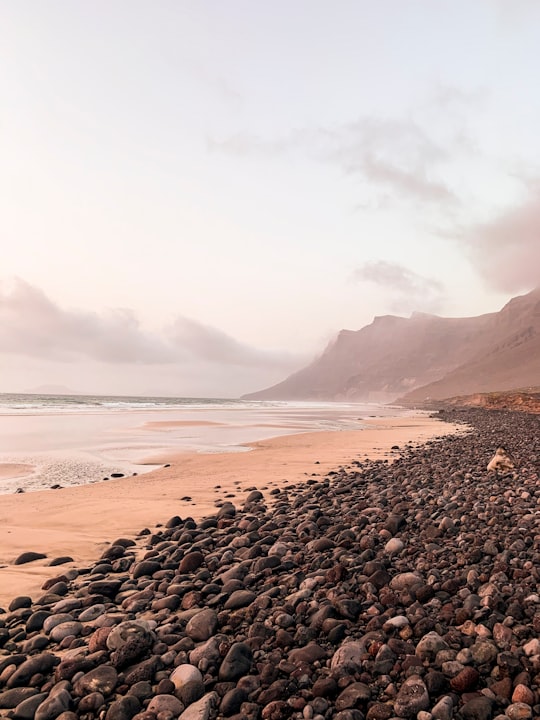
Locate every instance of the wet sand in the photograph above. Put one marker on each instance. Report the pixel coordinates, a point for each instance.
(82, 521)
(14, 470)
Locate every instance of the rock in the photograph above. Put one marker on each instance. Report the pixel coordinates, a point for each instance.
(523, 694)
(308, 654)
(351, 654)
(21, 601)
(62, 630)
(91, 703)
(188, 683)
(479, 708)
(276, 710)
(183, 674)
(394, 546)
(465, 680)
(27, 557)
(190, 562)
(405, 581)
(202, 625)
(411, 698)
(54, 705)
(236, 663)
(36, 620)
(202, 709)
(11, 698)
(356, 694)
(429, 645)
(145, 567)
(60, 560)
(124, 708)
(102, 679)
(126, 632)
(165, 704)
(443, 709)
(240, 599)
(519, 711)
(39, 664)
(232, 701)
(379, 711)
(26, 710)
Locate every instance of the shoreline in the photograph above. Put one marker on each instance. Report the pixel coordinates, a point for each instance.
(84, 447)
(81, 521)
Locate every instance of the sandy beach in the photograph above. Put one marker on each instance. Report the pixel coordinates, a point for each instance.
(82, 521)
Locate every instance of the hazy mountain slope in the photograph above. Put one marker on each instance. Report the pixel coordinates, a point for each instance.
(386, 358)
(511, 361)
(411, 359)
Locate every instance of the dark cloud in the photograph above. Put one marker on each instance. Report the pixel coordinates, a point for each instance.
(506, 251)
(32, 325)
(407, 290)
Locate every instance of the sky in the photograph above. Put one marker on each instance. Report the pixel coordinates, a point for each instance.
(196, 196)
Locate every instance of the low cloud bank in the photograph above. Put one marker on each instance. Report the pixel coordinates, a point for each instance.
(33, 325)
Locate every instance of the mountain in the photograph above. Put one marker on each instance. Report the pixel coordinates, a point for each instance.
(510, 361)
(424, 356)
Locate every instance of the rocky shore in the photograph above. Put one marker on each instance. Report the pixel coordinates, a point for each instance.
(405, 588)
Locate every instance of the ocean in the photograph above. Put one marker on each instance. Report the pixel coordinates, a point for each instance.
(61, 440)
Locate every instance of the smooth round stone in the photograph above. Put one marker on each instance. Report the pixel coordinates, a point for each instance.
(404, 581)
(394, 546)
(91, 613)
(236, 663)
(11, 698)
(27, 557)
(396, 623)
(35, 665)
(184, 674)
(36, 620)
(91, 703)
(66, 605)
(202, 625)
(54, 705)
(59, 632)
(239, 599)
(56, 619)
(22, 601)
(26, 710)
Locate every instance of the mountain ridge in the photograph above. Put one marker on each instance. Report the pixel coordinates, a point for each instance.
(411, 360)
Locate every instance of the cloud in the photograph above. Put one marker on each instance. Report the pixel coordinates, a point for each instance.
(407, 290)
(506, 251)
(212, 345)
(397, 156)
(32, 325)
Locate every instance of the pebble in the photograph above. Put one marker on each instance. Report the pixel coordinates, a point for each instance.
(305, 604)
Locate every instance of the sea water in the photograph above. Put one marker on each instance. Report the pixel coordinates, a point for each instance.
(75, 439)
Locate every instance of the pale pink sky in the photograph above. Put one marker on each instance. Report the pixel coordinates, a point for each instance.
(195, 197)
